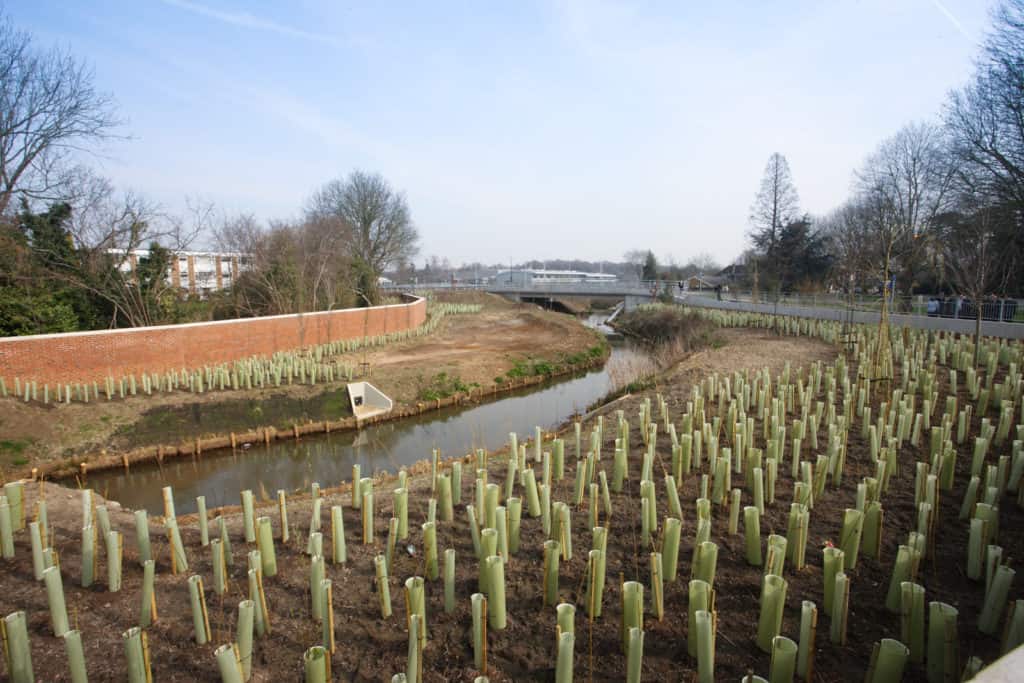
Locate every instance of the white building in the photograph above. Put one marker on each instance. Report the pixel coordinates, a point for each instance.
(526, 277)
(194, 272)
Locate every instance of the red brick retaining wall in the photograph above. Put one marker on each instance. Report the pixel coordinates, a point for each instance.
(92, 356)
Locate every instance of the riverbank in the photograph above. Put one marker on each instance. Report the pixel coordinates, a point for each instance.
(466, 358)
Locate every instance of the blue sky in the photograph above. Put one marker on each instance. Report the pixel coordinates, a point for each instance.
(519, 129)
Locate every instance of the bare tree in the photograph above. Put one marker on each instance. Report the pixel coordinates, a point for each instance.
(635, 260)
(775, 205)
(974, 258)
(104, 259)
(985, 119)
(902, 187)
(49, 111)
(291, 268)
(705, 262)
(374, 221)
(851, 244)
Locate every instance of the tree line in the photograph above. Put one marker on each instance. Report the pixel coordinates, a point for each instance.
(77, 254)
(938, 207)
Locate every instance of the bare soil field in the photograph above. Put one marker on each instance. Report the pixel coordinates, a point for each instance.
(371, 648)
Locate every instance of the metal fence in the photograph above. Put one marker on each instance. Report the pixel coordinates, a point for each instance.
(995, 309)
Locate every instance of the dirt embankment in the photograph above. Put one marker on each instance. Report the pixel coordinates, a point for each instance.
(504, 344)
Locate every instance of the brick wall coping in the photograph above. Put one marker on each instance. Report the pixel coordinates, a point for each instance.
(412, 300)
(75, 357)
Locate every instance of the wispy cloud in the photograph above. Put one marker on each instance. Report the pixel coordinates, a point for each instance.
(251, 21)
(952, 19)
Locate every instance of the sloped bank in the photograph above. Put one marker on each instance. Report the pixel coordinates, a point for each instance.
(208, 445)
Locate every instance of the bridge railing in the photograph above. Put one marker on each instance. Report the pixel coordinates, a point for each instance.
(623, 288)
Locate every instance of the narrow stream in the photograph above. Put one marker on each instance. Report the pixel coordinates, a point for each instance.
(328, 458)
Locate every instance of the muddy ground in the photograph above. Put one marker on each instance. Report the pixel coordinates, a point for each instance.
(467, 350)
(372, 649)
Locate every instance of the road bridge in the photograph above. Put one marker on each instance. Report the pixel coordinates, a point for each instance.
(631, 293)
(638, 292)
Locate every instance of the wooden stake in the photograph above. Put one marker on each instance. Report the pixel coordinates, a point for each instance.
(483, 637)
(145, 656)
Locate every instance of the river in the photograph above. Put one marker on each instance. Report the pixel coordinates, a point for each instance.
(328, 458)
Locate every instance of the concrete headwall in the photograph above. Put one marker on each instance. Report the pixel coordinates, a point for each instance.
(92, 356)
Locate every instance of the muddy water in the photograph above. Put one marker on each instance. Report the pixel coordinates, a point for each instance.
(328, 458)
